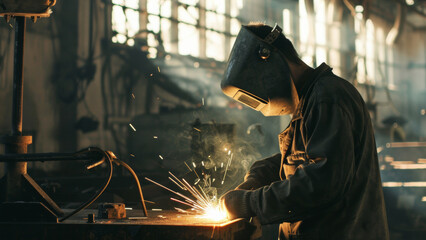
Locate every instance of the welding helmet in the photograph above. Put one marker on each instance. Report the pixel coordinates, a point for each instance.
(258, 75)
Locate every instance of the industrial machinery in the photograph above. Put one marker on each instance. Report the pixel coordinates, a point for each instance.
(22, 199)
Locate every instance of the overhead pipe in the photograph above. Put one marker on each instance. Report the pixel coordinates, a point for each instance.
(398, 25)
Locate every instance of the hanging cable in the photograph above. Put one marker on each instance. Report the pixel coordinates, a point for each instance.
(106, 157)
(125, 165)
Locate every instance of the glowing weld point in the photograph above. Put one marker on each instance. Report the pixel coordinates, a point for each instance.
(155, 137)
(193, 164)
(134, 129)
(226, 149)
(161, 157)
(214, 213)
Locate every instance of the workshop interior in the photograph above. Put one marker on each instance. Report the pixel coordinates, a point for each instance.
(114, 126)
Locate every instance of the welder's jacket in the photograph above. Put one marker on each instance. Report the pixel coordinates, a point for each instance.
(326, 183)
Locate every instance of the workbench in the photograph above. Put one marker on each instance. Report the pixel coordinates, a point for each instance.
(161, 224)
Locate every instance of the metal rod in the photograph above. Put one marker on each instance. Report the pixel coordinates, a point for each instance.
(41, 157)
(18, 76)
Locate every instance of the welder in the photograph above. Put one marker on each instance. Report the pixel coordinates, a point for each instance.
(325, 183)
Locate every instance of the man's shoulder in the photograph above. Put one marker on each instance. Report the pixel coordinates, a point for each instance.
(330, 87)
(334, 90)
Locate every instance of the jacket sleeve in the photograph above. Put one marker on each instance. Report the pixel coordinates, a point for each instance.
(265, 171)
(323, 177)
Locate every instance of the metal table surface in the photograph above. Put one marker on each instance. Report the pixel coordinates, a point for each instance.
(159, 225)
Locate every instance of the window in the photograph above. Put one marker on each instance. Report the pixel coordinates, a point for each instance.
(199, 28)
(320, 32)
(188, 37)
(306, 44)
(125, 21)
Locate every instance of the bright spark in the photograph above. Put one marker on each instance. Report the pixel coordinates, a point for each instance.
(227, 166)
(134, 129)
(161, 157)
(188, 166)
(155, 137)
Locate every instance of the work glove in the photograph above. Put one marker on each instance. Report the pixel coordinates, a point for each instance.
(249, 184)
(237, 204)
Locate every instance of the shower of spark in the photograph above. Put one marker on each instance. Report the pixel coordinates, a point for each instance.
(200, 203)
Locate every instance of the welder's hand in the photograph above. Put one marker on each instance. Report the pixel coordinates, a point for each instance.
(237, 204)
(249, 184)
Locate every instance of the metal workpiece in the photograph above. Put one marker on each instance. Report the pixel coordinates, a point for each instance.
(160, 225)
(111, 211)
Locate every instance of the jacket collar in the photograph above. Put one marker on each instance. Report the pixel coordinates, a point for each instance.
(307, 88)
